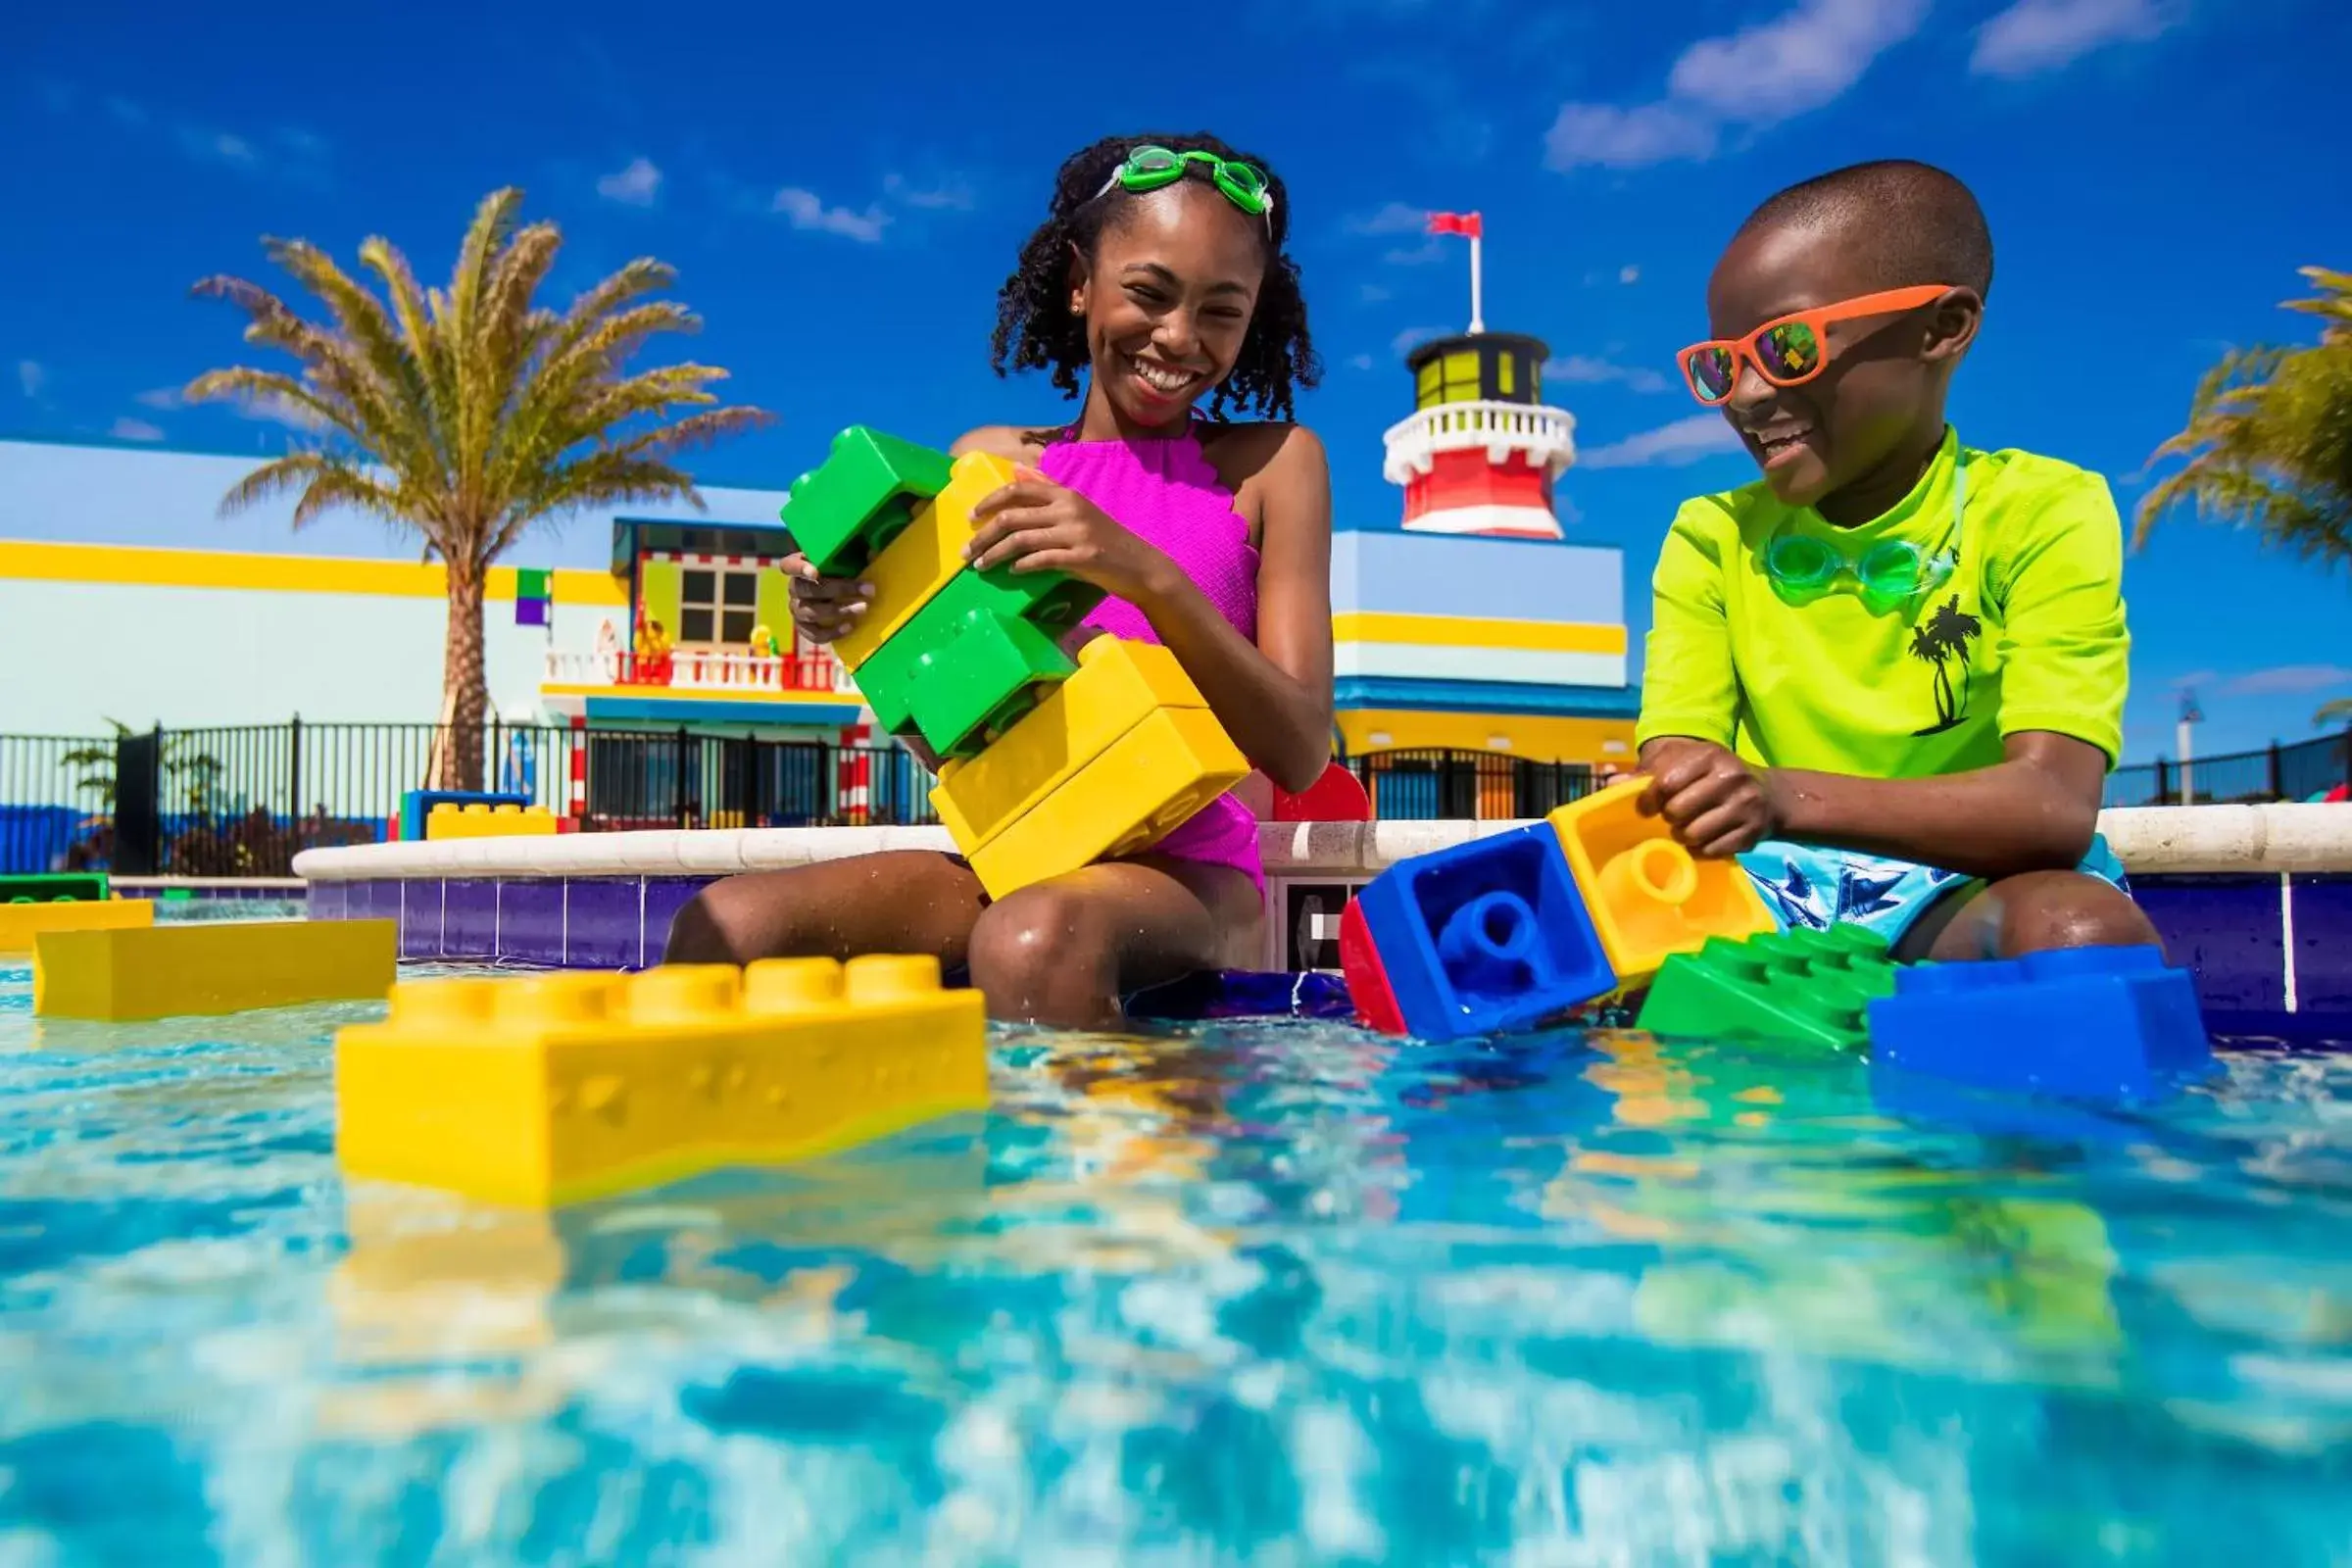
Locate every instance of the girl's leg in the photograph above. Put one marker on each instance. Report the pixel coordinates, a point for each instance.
(903, 901)
(1064, 951)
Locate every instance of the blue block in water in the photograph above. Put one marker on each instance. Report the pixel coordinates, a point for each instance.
(2103, 1023)
(1485, 937)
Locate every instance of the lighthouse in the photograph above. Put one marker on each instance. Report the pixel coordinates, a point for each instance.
(1481, 449)
(1472, 636)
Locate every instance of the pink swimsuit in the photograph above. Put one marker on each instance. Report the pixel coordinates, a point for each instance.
(1164, 491)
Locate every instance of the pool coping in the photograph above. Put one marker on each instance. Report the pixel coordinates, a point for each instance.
(2151, 840)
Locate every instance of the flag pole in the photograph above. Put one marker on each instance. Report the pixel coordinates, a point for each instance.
(1477, 323)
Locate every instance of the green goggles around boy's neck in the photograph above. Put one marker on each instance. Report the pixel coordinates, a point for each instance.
(1149, 168)
(1892, 574)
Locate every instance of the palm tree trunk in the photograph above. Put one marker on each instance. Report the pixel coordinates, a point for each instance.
(465, 693)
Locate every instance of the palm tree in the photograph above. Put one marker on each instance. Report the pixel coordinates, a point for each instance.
(1941, 640)
(472, 414)
(2337, 711)
(2269, 440)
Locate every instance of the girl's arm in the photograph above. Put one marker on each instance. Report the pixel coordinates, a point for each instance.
(1273, 697)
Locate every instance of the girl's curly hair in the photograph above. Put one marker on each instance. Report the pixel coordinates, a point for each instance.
(1035, 331)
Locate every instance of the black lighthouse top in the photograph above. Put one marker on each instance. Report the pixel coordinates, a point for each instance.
(1478, 367)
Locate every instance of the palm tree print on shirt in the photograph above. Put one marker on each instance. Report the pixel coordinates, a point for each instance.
(1942, 641)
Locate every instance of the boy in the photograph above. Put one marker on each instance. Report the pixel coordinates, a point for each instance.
(1889, 676)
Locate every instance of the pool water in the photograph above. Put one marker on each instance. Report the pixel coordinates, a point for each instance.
(1267, 1293)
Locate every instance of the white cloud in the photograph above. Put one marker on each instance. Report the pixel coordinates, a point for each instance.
(162, 397)
(1592, 371)
(1429, 250)
(1629, 274)
(2288, 678)
(31, 377)
(1374, 293)
(1800, 59)
(2037, 36)
(1361, 362)
(1391, 218)
(128, 429)
(1668, 446)
(286, 153)
(1412, 337)
(952, 194)
(208, 146)
(805, 209)
(634, 185)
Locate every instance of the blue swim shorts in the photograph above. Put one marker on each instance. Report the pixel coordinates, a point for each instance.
(1809, 886)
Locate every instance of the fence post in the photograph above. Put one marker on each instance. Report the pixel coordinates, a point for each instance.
(681, 775)
(2162, 788)
(2277, 782)
(294, 771)
(138, 808)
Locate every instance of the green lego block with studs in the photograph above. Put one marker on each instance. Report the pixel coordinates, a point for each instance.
(981, 652)
(55, 887)
(1802, 988)
(859, 497)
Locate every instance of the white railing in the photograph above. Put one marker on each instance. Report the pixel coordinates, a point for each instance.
(1544, 437)
(701, 670)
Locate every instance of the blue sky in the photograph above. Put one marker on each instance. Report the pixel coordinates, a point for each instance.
(841, 209)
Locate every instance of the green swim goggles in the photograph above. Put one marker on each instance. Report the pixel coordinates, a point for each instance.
(1890, 575)
(1151, 168)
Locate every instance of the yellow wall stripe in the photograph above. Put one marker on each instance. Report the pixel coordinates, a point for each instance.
(146, 567)
(1469, 631)
(1542, 737)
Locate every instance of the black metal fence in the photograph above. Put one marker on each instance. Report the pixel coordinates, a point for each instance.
(2305, 770)
(244, 801)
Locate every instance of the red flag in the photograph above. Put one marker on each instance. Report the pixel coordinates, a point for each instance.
(1466, 224)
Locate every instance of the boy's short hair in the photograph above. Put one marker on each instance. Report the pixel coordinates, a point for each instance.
(1913, 222)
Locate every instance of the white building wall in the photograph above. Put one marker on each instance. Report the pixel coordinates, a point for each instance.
(75, 655)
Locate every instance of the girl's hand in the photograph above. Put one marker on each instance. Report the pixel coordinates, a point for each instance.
(823, 608)
(1039, 525)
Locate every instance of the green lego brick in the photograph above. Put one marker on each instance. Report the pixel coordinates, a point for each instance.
(54, 887)
(966, 693)
(1807, 988)
(891, 681)
(860, 497)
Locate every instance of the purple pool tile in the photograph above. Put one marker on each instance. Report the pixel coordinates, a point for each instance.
(420, 919)
(664, 897)
(327, 900)
(2322, 944)
(468, 919)
(2228, 929)
(373, 901)
(530, 921)
(602, 924)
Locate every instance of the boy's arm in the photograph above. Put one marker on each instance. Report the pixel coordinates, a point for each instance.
(2064, 675)
(1688, 685)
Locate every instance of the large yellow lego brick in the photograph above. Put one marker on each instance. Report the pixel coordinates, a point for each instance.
(449, 820)
(21, 923)
(1650, 898)
(558, 1088)
(1144, 785)
(211, 967)
(1117, 686)
(927, 552)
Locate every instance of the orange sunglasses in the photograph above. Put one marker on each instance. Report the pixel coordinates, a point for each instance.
(1788, 350)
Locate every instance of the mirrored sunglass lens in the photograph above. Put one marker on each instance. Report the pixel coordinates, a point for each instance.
(1800, 563)
(1710, 370)
(1789, 349)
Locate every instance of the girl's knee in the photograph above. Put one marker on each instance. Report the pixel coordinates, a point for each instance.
(1036, 937)
(2056, 910)
(708, 929)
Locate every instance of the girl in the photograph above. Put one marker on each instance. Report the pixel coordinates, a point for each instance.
(1160, 271)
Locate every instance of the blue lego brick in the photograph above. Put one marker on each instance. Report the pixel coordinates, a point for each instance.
(2097, 1023)
(417, 805)
(1486, 937)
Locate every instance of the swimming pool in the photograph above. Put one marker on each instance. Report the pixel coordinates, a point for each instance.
(1268, 1291)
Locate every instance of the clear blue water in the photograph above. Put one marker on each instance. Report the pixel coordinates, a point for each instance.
(1270, 1293)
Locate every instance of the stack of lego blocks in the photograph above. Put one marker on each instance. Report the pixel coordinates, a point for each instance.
(1047, 762)
(1524, 929)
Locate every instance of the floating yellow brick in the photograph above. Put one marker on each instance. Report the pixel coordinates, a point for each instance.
(449, 820)
(21, 924)
(563, 1087)
(209, 968)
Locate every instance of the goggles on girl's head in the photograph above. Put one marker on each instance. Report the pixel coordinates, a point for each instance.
(1788, 350)
(1149, 168)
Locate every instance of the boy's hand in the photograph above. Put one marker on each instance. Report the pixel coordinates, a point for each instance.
(823, 608)
(1716, 804)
